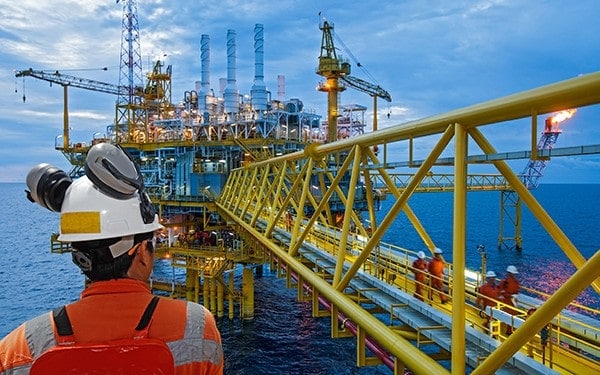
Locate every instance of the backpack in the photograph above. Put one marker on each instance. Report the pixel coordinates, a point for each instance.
(137, 355)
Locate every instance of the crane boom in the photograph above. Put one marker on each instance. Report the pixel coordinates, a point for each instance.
(334, 68)
(68, 80)
(367, 87)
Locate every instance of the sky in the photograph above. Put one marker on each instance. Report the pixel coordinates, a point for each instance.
(432, 56)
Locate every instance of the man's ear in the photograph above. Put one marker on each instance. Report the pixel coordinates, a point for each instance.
(145, 255)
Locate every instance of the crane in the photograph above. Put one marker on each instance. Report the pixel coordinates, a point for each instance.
(155, 96)
(335, 69)
(69, 80)
(65, 81)
(133, 100)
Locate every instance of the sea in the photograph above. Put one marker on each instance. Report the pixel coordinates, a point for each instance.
(283, 338)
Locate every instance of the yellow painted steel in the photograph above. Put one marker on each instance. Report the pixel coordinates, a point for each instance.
(398, 346)
(268, 190)
(589, 272)
(220, 294)
(348, 213)
(66, 125)
(248, 294)
(206, 293)
(459, 245)
(192, 285)
(402, 198)
(230, 297)
(535, 207)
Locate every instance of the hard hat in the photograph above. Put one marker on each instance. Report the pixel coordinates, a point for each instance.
(88, 214)
(108, 202)
(421, 255)
(437, 250)
(111, 169)
(512, 269)
(490, 274)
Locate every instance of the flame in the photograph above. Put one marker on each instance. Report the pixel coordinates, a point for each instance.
(562, 116)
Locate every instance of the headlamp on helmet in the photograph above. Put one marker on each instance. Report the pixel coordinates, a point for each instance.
(47, 186)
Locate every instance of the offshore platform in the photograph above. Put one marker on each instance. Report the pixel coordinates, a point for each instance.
(246, 180)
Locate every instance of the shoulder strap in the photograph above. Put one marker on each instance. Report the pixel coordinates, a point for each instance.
(147, 315)
(64, 327)
(62, 322)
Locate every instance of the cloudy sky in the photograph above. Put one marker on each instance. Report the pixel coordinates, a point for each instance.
(432, 56)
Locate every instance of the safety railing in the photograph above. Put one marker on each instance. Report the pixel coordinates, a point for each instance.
(284, 184)
(393, 265)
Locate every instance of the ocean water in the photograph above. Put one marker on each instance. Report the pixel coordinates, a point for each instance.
(283, 338)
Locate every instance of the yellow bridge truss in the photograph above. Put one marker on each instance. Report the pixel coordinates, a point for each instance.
(283, 202)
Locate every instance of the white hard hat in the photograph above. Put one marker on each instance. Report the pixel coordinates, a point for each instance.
(111, 169)
(490, 274)
(88, 214)
(421, 255)
(437, 250)
(512, 269)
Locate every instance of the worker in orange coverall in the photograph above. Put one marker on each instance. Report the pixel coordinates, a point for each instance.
(111, 223)
(419, 267)
(509, 288)
(488, 294)
(436, 270)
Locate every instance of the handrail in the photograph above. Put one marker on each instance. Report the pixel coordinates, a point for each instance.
(284, 184)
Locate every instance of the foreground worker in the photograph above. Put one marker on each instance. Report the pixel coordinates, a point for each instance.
(110, 222)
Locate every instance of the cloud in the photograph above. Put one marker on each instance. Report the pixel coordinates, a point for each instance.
(431, 56)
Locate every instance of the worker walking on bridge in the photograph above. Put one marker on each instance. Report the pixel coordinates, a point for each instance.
(509, 288)
(419, 268)
(436, 271)
(488, 295)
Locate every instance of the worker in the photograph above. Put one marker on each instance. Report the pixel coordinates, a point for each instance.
(488, 295)
(509, 288)
(110, 222)
(436, 271)
(419, 268)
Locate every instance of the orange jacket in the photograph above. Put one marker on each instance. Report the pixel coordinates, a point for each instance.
(488, 293)
(419, 266)
(436, 267)
(110, 310)
(510, 285)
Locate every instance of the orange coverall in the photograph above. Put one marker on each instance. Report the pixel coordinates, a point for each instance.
(109, 310)
(509, 287)
(419, 267)
(488, 293)
(436, 269)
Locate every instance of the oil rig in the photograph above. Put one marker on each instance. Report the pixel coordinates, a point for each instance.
(244, 180)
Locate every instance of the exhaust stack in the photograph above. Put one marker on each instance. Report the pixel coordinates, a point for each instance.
(259, 89)
(204, 89)
(231, 94)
